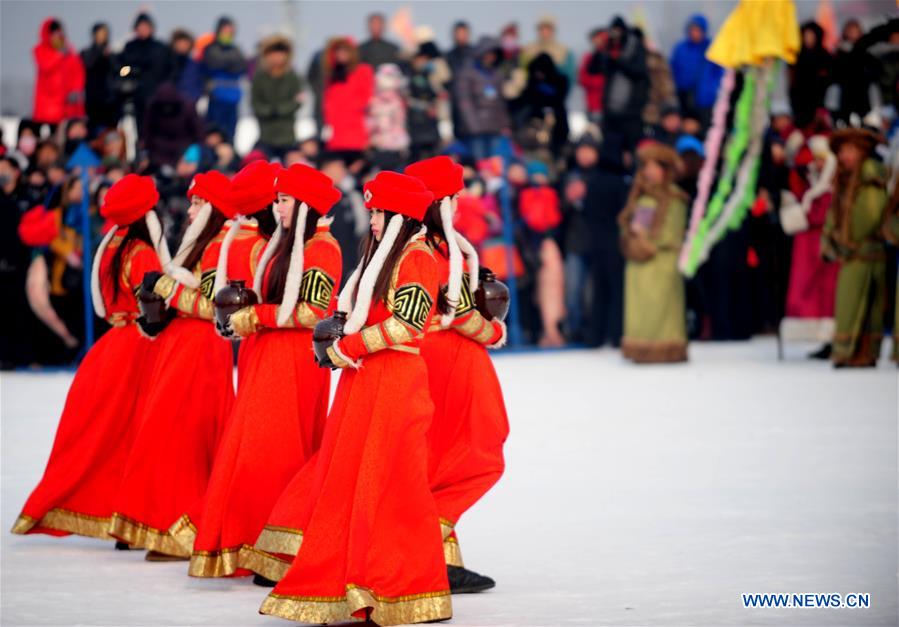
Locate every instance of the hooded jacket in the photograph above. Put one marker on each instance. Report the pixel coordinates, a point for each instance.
(59, 85)
(479, 97)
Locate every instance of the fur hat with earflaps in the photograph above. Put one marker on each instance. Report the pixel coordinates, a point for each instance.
(663, 154)
(313, 190)
(130, 199)
(864, 138)
(444, 178)
(251, 190)
(403, 195)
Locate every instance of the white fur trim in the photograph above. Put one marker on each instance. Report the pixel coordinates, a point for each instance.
(191, 234)
(267, 255)
(359, 315)
(353, 364)
(294, 269)
(158, 239)
(96, 292)
(221, 267)
(822, 185)
(471, 256)
(454, 284)
(502, 338)
(345, 299)
(324, 221)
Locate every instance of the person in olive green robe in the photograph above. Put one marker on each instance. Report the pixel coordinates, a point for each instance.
(853, 235)
(891, 233)
(653, 225)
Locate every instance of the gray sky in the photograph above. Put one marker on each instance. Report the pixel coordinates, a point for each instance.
(313, 22)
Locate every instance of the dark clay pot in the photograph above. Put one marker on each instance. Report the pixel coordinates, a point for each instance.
(492, 296)
(236, 295)
(324, 334)
(152, 306)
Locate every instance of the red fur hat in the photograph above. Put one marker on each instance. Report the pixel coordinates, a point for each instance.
(215, 188)
(308, 185)
(129, 199)
(441, 175)
(253, 188)
(392, 191)
(38, 227)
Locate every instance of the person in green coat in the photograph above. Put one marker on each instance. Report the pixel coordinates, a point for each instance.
(853, 236)
(276, 95)
(891, 233)
(653, 225)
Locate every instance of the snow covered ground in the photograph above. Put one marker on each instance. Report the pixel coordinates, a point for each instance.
(633, 496)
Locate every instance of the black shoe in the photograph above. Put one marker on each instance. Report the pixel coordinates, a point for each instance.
(821, 353)
(259, 580)
(122, 546)
(462, 580)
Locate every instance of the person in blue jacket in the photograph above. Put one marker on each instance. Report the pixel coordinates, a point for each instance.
(695, 77)
(223, 66)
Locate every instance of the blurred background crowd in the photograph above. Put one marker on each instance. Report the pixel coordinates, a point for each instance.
(549, 140)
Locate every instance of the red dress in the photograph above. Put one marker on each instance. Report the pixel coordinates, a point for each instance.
(813, 282)
(470, 424)
(372, 541)
(189, 398)
(98, 424)
(277, 421)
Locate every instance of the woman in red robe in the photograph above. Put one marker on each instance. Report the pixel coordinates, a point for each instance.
(270, 435)
(372, 547)
(98, 424)
(470, 424)
(190, 390)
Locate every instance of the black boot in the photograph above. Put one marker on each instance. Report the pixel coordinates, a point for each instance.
(122, 546)
(821, 353)
(462, 580)
(259, 580)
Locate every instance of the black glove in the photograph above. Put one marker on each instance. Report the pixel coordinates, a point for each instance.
(149, 281)
(152, 329)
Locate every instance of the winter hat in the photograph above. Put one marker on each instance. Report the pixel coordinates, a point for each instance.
(444, 178)
(864, 138)
(38, 227)
(535, 168)
(650, 150)
(142, 17)
(388, 191)
(389, 77)
(214, 188)
(398, 193)
(131, 198)
(252, 190)
(686, 143)
(314, 190)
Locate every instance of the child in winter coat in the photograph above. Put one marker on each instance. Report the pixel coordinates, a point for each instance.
(387, 118)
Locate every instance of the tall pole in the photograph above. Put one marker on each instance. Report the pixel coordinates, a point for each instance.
(86, 261)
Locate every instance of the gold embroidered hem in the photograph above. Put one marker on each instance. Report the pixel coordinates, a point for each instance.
(65, 520)
(184, 532)
(446, 527)
(262, 563)
(214, 563)
(284, 540)
(649, 351)
(142, 536)
(452, 553)
(415, 608)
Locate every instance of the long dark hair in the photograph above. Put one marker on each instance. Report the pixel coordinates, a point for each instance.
(213, 227)
(274, 291)
(370, 246)
(434, 221)
(137, 232)
(265, 219)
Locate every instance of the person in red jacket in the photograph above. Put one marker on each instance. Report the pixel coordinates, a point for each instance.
(592, 75)
(59, 85)
(270, 436)
(77, 492)
(348, 88)
(470, 423)
(190, 387)
(371, 546)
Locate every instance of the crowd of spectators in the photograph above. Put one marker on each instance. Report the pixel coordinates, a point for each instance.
(497, 102)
